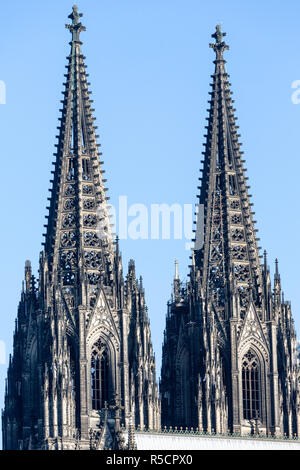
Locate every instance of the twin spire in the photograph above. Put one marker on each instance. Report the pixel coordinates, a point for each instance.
(79, 239)
(79, 242)
(229, 254)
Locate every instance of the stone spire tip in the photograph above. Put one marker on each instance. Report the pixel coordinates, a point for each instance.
(76, 27)
(219, 46)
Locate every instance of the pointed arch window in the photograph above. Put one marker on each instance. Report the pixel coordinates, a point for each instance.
(251, 385)
(99, 376)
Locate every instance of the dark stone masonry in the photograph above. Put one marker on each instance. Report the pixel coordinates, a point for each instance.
(83, 366)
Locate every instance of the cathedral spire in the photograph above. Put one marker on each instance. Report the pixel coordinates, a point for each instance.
(228, 344)
(230, 245)
(79, 243)
(82, 335)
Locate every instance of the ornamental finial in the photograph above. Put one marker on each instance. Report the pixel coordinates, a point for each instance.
(76, 27)
(219, 46)
(218, 35)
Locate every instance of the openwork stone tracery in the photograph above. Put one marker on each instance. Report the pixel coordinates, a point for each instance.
(237, 331)
(89, 325)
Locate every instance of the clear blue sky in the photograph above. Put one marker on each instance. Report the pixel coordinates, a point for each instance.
(150, 66)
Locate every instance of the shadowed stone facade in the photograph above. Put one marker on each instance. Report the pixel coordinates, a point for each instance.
(83, 363)
(229, 352)
(82, 360)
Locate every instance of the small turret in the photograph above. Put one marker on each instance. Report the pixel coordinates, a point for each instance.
(28, 275)
(277, 275)
(277, 285)
(176, 283)
(267, 287)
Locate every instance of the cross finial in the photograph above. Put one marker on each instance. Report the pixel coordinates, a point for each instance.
(218, 35)
(74, 16)
(219, 46)
(76, 27)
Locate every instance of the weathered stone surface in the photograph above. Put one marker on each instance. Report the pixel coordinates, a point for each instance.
(229, 352)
